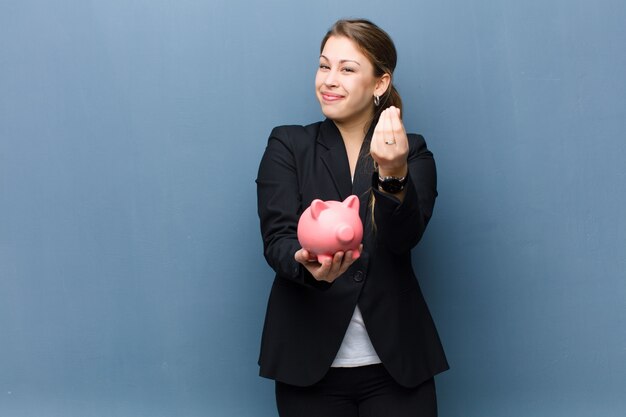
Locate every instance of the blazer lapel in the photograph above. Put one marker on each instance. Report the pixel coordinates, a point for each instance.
(364, 167)
(335, 158)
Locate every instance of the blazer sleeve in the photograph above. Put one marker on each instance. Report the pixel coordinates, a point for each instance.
(401, 225)
(279, 205)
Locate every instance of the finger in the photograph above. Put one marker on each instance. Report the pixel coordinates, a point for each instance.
(395, 135)
(323, 271)
(380, 125)
(386, 128)
(336, 265)
(347, 261)
(352, 252)
(396, 125)
(299, 255)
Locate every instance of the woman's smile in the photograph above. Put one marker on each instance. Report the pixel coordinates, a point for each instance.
(331, 97)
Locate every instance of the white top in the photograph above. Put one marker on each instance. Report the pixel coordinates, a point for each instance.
(356, 348)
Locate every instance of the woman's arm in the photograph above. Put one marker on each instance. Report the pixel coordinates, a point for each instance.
(402, 218)
(401, 224)
(279, 205)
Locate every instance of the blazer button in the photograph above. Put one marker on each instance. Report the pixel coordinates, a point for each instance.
(358, 276)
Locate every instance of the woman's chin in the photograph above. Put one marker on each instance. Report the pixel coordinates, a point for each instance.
(332, 114)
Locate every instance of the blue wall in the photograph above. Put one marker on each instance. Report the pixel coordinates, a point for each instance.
(132, 281)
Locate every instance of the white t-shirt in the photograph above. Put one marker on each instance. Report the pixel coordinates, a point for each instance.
(356, 348)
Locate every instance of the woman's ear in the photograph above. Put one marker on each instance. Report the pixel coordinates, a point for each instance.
(382, 85)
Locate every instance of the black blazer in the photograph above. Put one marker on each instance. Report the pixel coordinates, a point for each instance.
(306, 320)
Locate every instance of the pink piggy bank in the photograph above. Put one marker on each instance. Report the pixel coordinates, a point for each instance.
(327, 227)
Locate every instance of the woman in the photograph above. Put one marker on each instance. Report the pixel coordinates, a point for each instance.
(350, 337)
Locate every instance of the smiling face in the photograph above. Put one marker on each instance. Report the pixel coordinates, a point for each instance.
(345, 84)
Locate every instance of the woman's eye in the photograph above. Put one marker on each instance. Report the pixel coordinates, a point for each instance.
(347, 69)
(324, 66)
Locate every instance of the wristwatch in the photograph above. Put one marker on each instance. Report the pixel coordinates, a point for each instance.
(391, 185)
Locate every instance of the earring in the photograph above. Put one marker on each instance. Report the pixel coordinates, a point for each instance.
(376, 101)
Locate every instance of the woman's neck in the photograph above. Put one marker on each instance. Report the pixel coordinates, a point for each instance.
(352, 132)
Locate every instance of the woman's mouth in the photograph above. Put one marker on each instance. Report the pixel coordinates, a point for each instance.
(329, 97)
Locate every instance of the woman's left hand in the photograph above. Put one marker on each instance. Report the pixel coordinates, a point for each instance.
(390, 146)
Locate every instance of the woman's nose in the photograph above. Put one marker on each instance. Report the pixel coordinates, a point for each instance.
(331, 79)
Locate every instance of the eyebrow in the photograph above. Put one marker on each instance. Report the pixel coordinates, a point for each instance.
(342, 61)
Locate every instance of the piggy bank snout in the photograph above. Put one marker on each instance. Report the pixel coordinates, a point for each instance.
(344, 233)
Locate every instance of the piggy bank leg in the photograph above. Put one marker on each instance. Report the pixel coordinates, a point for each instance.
(322, 258)
(356, 254)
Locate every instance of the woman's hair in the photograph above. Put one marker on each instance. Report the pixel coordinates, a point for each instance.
(378, 47)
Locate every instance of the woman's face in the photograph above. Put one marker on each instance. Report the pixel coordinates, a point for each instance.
(345, 84)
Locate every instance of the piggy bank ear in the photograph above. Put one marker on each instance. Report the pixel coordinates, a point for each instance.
(317, 206)
(352, 202)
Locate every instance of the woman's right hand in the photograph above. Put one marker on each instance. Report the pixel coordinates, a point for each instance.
(329, 269)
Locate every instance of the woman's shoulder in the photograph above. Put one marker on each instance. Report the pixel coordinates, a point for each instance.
(296, 137)
(415, 139)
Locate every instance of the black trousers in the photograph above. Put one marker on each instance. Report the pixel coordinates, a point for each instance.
(367, 391)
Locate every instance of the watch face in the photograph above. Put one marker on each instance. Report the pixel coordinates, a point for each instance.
(392, 185)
